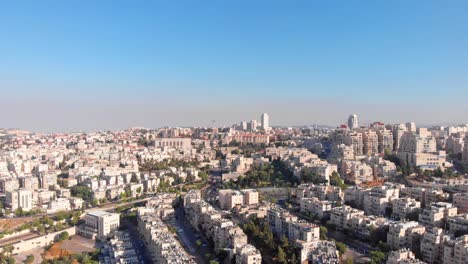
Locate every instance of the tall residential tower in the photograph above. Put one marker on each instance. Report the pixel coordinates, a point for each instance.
(265, 121)
(353, 121)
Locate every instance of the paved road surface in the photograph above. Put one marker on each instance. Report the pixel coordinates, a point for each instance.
(12, 240)
(189, 236)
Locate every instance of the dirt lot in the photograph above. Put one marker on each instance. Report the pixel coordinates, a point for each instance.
(20, 258)
(6, 223)
(79, 244)
(76, 244)
(56, 251)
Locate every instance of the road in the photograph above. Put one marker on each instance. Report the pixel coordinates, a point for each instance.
(12, 240)
(188, 236)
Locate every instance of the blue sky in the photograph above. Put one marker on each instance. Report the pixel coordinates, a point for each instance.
(183, 62)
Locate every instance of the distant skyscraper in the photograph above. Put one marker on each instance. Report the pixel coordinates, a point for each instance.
(244, 125)
(265, 121)
(252, 125)
(353, 121)
(411, 127)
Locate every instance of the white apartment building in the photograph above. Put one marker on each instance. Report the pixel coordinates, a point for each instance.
(322, 192)
(385, 140)
(9, 185)
(403, 256)
(425, 196)
(420, 151)
(458, 224)
(229, 199)
(379, 199)
(99, 224)
(437, 214)
(398, 131)
(460, 200)
(341, 152)
(248, 254)
(20, 199)
(456, 251)
(315, 206)
(356, 172)
(355, 139)
(177, 143)
(411, 127)
(353, 122)
(432, 245)
(404, 235)
(371, 142)
(265, 119)
(405, 207)
(60, 204)
(340, 216)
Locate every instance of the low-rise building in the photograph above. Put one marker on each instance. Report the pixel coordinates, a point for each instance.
(432, 245)
(99, 224)
(340, 216)
(20, 199)
(404, 235)
(406, 208)
(456, 251)
(460, 200)
(403, 256)
(60, 204)
(320, 252)
(248, 254)
(322, 192)
(437, 214)
(378, 201)
(314, 206)
(458, 224)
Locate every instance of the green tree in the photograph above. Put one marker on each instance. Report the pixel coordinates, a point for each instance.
(341, 247)
(63, 236)
(82, 191)
(8, 250)
(336, 180)
(284, 242)
(384, 247)
(61, 215)
(29, 259)
(281, 255)
(203, 175)
(377, 257)
(199, 243)
(75, 218)
(323, 232)
(293, 259)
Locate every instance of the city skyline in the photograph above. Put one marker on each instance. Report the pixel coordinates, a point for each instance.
(106, 65)
(247, 119)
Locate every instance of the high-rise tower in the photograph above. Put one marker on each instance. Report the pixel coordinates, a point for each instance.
(265, 121)
(353, 121)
